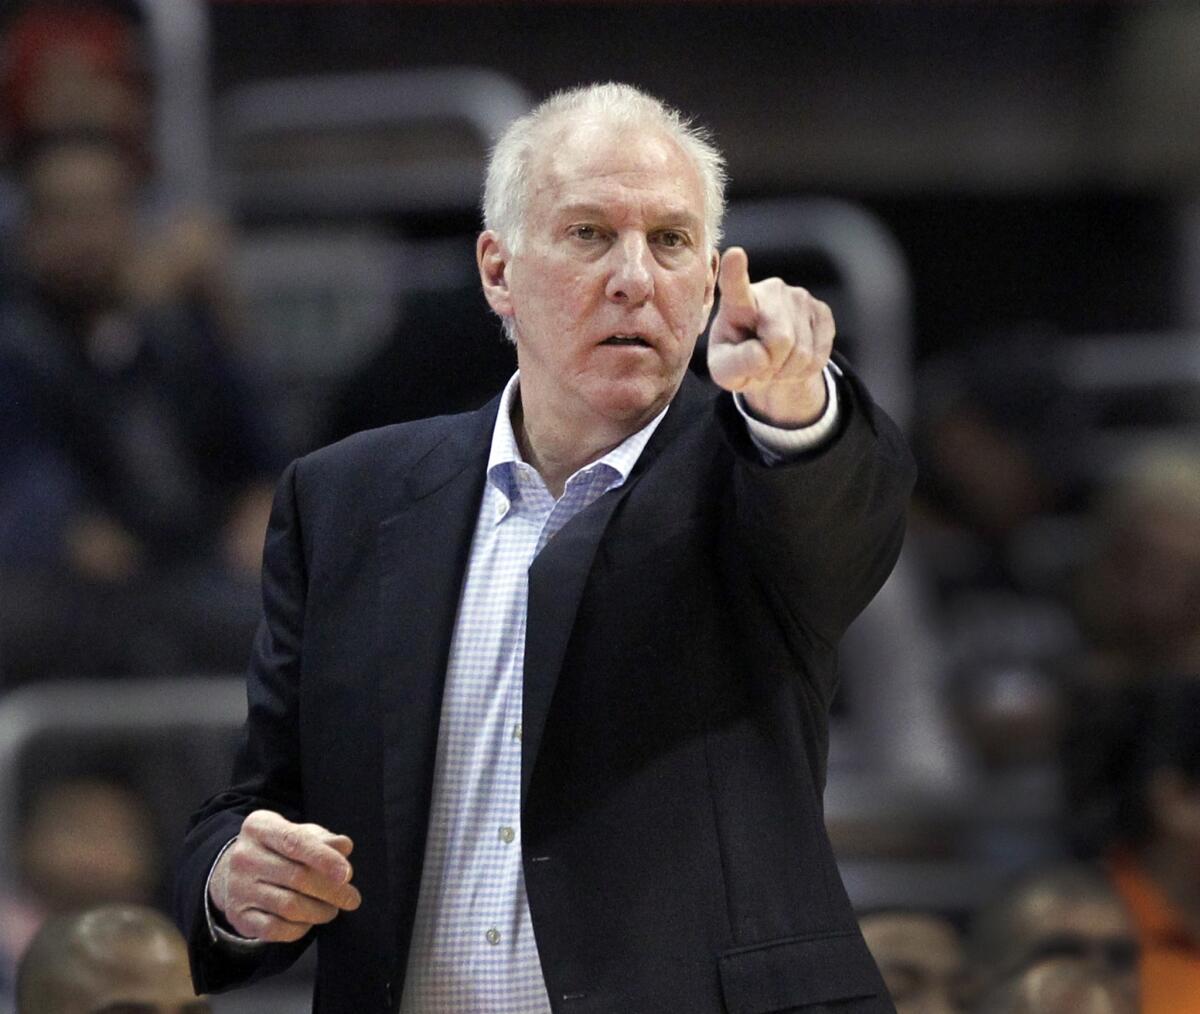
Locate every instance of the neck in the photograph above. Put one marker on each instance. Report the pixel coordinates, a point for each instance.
(558, 453)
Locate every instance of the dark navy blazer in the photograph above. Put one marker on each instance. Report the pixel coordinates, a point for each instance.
(679, 665)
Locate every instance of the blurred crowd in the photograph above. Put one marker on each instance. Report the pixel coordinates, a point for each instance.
(137, 456)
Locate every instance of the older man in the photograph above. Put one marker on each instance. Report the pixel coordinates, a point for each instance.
(558, 670)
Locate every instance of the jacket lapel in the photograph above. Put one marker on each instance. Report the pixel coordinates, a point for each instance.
(422, 553)
(560, 573)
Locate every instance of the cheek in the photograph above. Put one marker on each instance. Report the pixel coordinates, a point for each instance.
(686, 311)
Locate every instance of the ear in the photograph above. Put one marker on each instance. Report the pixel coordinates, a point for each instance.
(493, 260)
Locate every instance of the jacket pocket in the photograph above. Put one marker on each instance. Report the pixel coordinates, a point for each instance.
(782, 974)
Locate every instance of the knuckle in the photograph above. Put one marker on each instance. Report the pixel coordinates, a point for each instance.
(248, 923)
(291, 907)
(257, 821)
(239, 858)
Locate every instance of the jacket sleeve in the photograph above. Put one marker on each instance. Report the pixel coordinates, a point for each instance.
(820, 532)
(267, 768)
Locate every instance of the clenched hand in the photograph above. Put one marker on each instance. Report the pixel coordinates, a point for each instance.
(279, 879)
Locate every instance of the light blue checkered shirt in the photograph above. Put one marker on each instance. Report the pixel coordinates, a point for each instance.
(473, 948)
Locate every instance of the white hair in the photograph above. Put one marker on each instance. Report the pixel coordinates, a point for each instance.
(510, 167)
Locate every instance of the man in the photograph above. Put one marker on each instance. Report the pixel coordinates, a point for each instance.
(558, 670)
(135, 463)
(920, 957)
(1063, 911)
(118, 959)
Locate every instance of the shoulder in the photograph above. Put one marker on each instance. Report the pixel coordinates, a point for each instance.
(397, 444)
(367, 471)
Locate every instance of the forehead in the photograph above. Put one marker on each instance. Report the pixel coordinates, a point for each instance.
(612, 166)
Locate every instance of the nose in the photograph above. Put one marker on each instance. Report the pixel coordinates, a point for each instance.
(631, 281)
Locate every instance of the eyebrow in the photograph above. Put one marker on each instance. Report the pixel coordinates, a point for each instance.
(665, 218)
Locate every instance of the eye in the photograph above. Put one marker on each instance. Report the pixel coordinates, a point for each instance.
(672, 239)
(587, 233)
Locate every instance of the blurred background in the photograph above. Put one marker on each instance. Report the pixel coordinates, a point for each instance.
(232, 232)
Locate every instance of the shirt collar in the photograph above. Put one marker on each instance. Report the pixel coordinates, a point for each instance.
(505, 453)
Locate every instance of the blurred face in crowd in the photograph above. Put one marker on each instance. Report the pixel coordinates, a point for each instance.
(614, 277)
(920, 958)
(80, 226)
(88, 842)
(1097, 932)
(1155, 559)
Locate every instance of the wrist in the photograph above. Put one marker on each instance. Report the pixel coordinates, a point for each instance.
(788, 404)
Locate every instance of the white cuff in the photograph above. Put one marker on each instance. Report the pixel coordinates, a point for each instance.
(776, 444)
(222, 936)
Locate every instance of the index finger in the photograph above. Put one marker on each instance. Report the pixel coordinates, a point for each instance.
(308, 844)
(733, 280)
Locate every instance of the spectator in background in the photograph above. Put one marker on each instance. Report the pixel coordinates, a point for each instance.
(1061, 912)
(997, 446)
(69, 66)
(1058, 986)
(72, 65)
(920, 957)
(116, 958)
(86, 840)
(1138, 602)
(1156, 858)
(135, 469)
(997, 443)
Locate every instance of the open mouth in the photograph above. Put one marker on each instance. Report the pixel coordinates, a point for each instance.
(635, 340)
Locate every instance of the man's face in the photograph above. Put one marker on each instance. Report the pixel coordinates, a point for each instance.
(614, 279)
(1098, 932)
(80, 224)
(920, 959)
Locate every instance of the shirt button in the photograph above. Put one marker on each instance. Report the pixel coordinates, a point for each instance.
(517, 732)
(507, 834)
(493, 936)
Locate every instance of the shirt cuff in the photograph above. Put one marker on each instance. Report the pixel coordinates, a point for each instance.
(777, 444)
(217, 934)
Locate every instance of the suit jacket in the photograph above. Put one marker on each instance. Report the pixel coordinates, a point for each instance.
(679, 665)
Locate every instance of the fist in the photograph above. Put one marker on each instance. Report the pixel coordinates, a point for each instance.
(770, 341)
(278, 879)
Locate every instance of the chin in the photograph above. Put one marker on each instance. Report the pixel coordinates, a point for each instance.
(632, 402)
